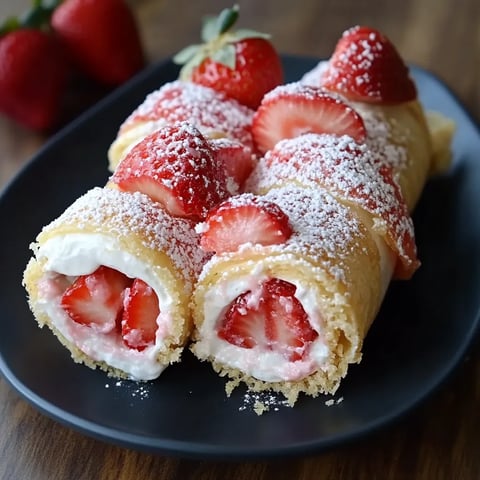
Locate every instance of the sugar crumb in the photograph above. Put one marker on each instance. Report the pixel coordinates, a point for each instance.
(261, 402)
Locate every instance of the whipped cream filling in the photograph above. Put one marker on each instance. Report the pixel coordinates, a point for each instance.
(80, 254)
(266, 365)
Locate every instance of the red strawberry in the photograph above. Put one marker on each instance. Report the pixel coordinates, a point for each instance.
(292, 110)
(33, 78)
(96, 299)
(243, 64)
(366, 67)
(244, 219)
(139, 321)
(237, 159)
(274, 320)
(101, 36)
(176, 167)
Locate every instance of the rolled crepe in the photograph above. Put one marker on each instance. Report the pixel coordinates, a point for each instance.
(131, 234)
(215, 115)
(352, 233)
(336, 266)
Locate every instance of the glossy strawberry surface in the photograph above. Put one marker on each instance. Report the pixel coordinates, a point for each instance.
(102, 37)
(33, 78)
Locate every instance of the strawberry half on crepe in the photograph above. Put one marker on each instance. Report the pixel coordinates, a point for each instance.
(366, 67)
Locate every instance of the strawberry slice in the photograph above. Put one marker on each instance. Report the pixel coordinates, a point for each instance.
(274, 320)
(243, 324)
(287, 327)
(174, 166)
(366, 67)
(96, 300)
(237, 160)
(243, 219)
(139, 321)
(292, 110)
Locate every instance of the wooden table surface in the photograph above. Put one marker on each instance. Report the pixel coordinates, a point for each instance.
(441, 438)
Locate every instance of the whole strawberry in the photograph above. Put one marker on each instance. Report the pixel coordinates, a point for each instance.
(33, 78)
(367, 67)
(243, 64)
(102, 37)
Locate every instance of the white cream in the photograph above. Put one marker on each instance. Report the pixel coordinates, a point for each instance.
(257, 362)
(80, 254)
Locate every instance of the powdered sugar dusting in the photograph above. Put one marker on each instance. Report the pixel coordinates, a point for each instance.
(351, 172)
(127, 213)
(209, 110)
(261, 402)
(314, 76)
(379, 138)
(324, 231)
(136, 390)
(293, 89)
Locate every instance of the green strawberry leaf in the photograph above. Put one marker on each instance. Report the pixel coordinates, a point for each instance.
(214, 26)
(225, 56)
(227, 19)
(186, 54)
(195, 61)
(209, 29)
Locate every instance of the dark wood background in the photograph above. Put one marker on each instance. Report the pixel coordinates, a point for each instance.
(441, 438)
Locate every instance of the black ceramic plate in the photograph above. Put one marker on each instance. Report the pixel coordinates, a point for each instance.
(420, 335)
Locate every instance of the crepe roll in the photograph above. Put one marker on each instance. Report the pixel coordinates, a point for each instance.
(215, 115)
(353, 174)
(112, 278)
(291, 316)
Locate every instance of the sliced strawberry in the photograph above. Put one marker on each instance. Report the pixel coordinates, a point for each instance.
(237, 159)
(287, 327)
(175, 166)
(292, 110)
(139, 321)
(243, 324)
(366, 67)
(243, 219)
(96, 299)
(272, 319)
